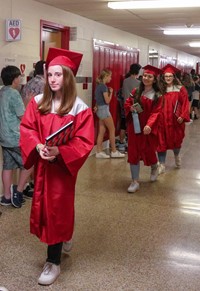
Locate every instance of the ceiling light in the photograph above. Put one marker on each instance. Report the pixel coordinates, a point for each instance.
(153, 4)
(182, 31)
(194, 44)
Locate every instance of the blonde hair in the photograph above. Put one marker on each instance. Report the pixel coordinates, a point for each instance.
(69, 94)
(104, 73)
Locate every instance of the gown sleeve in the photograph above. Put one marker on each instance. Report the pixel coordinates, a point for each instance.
(128, 103)
(127, 106)
(155, 115)
(183, 98)
(29, 135)
(77, 149)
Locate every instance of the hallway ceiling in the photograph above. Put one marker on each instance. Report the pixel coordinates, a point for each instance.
(145, 23)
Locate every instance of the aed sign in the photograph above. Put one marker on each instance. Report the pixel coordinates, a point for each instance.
(13, 29)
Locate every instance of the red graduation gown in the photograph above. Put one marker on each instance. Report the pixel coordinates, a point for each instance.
(140, 146)
(170, 132)
(52, 212)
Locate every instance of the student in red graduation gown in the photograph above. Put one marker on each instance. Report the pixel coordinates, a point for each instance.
(175, 113)
(56, 167)
(142, 111)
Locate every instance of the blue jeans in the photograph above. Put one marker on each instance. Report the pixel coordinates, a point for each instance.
(135, 170)
(162, 155)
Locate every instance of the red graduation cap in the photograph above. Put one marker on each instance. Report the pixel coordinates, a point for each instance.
(57, 56)
(152, 70)
(170, 69)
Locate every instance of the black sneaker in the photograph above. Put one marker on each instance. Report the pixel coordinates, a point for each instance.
(16, 196)
(5, 202)
(22, 199)
(28, 191)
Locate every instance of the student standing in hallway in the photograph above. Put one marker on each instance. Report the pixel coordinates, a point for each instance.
(175, 113)
(142, 114)
(131, 81)
(11, 112)
(33, 87)
(56, 167)
(103, 96)
(195, 98)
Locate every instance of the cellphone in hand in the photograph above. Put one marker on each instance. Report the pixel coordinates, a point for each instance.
(137, 107)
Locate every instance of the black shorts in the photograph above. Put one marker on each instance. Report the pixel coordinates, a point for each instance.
(195, 103)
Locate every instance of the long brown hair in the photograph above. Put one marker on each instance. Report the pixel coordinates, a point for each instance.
(155, 87)
(69, 94)
(163, 84)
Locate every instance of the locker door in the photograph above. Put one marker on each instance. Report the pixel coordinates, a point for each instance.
(197, 68)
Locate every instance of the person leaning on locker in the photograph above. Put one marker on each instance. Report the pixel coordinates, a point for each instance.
(175, 113)
(56, 167)
(103, 96)
(11, 112)
(142, 110)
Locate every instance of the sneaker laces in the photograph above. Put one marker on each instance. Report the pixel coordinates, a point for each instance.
(47, 268)
(153, 172)
(15, 195)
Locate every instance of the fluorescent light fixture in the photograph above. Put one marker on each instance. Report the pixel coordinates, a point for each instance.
(154, 4)
(182, 31)
(194, 44)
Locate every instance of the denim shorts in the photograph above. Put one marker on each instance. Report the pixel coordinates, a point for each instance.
(12, 158)
(103, 111)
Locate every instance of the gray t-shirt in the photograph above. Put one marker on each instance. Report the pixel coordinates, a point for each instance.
(100, 89)
(128, 85)
(11, 108)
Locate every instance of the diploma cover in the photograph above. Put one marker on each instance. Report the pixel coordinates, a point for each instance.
(61, 136)
(177, 109)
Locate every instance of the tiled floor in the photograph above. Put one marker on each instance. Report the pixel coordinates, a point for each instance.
(147, 241)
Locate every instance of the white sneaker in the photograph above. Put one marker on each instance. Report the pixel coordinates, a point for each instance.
(49, 274)
(117, 154)
(178, 161)
(67, 246)
(154, 174)
(161, 169)
(102, 155)
(133, 187)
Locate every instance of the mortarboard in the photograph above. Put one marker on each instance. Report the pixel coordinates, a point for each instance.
(57, 56)
(152, 70)
(169, 69)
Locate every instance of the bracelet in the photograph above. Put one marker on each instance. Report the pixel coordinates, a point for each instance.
(38, 147)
